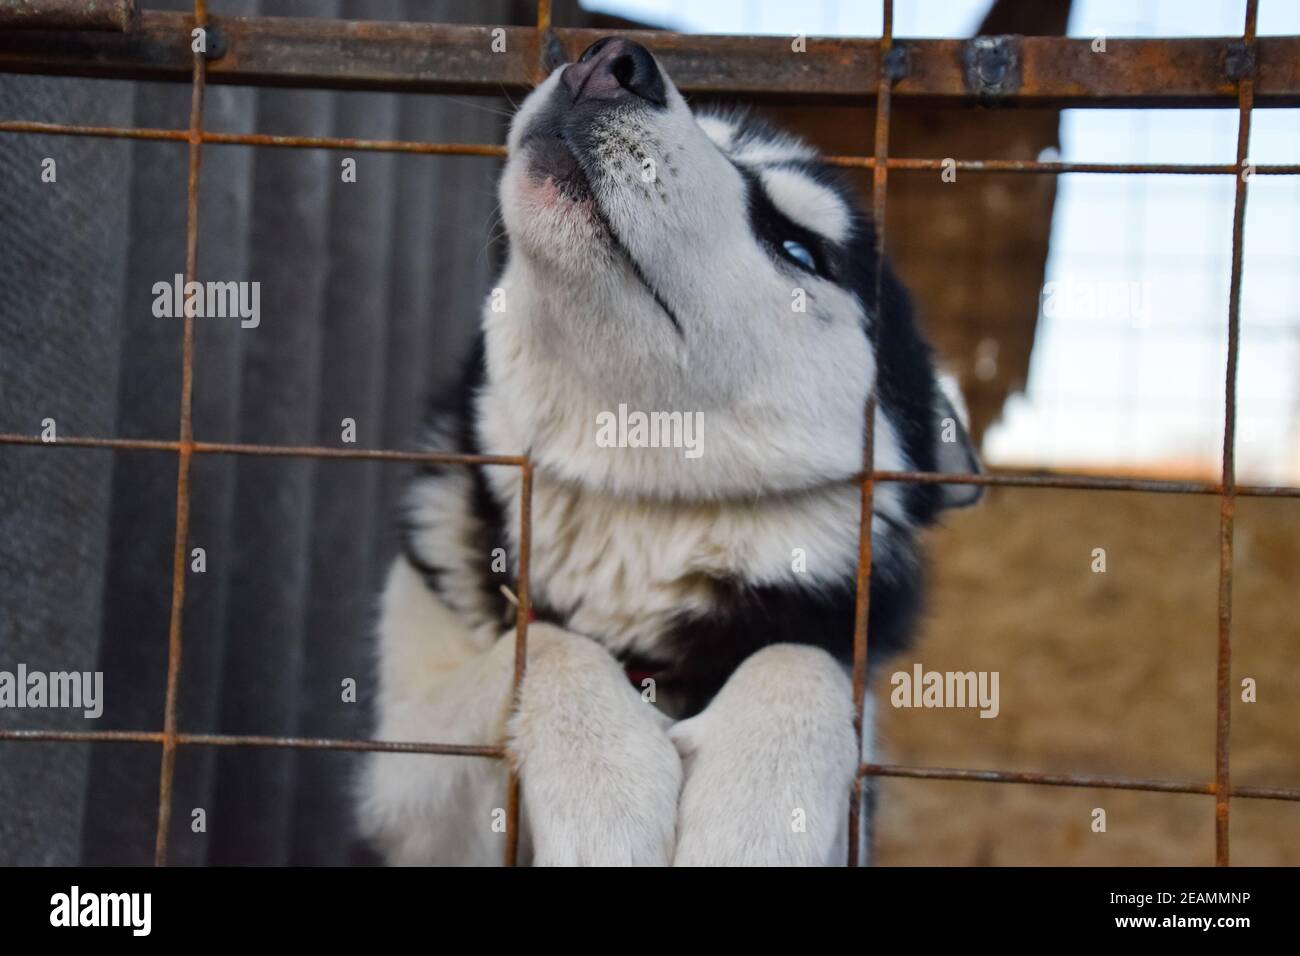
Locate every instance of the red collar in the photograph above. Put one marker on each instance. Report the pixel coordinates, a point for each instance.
(639, 675)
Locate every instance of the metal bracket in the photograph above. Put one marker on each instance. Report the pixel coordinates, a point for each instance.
(897, 62)
(1239, 61)
(992, 65)
(216, 42)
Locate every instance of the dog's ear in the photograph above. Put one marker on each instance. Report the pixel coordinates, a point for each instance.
(954, 451)
(553, 53)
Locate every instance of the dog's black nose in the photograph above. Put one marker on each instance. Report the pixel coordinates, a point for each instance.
(615, 69)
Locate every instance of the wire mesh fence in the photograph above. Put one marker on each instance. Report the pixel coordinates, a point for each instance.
(1042, 70)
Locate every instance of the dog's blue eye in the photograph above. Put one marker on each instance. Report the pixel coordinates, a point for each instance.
(800, 254)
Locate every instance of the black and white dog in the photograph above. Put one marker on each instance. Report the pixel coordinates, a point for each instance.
(658, 262)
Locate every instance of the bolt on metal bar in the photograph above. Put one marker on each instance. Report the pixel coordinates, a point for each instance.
(1227, 501)
(167, 772)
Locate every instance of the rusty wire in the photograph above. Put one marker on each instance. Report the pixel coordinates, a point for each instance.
(862, 603)
(167, 771)
(1081, 780)
(997, 477)
(1227, 501)
(498, 151)
(185, 447)
(254, 740)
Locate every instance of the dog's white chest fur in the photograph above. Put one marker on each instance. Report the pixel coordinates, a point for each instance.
(621, 570)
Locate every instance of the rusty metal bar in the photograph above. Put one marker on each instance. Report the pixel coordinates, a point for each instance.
(862, 602)
(118, 444)
(523, 605)
(496, 752)
(320, 743)
(1264, 793)
(1009, 477)
(167, 773)
(361, 454)
(498, 151)
(445, 58)
(1227, 501)
(82, 736)
(257, 139)
(998, 477)
(253, 740)
(1054, 168)
(67, 14)
(523, 613)
(1088, 781)
(545, 39)
(275, 451)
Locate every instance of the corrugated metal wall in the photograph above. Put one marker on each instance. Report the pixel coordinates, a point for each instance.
(369, 293)
(61, 313)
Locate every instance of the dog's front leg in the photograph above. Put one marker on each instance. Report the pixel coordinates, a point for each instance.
(769, 764)
(600, 777)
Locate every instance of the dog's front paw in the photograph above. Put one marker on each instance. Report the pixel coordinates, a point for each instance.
(769, 765)
(600, 777)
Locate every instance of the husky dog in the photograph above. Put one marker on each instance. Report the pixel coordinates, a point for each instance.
(702, 269)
